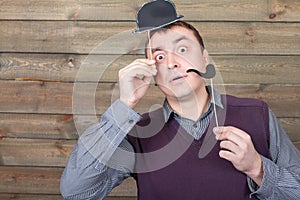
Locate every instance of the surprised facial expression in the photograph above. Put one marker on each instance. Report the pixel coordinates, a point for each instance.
(176, 50)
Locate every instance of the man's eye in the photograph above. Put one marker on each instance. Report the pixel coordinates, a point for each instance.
(182, 49)
(160, 57)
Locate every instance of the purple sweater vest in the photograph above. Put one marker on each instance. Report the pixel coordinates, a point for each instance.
(190, 177)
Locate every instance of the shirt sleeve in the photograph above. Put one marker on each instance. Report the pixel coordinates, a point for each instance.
(281, 178)
(102, 157)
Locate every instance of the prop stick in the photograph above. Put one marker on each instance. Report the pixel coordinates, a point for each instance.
(214, 102)
(209, 74)
(149, 44)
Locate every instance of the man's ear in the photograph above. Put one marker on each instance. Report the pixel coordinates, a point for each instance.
(206, 57)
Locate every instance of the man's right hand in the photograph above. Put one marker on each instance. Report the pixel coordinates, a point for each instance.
(135, 79)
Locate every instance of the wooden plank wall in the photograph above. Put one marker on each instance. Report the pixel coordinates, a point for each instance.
(44, 45)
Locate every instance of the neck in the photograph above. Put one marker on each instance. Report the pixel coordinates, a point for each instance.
(190, 108)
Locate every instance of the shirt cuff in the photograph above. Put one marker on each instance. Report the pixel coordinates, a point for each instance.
(122, 116)
(269, 181)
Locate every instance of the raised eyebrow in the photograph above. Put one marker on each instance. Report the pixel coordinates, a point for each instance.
(174, 42)
(180, 39)
(157, 49)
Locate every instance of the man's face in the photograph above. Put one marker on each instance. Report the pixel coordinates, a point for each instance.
(175, 51)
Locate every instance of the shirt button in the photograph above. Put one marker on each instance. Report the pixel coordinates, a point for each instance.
(130, 121)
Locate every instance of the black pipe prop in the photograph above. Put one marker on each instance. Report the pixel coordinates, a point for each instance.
(210, 71)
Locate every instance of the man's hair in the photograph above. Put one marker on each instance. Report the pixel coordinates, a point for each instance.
(181, 24)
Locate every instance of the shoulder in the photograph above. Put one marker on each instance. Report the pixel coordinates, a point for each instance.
(243, 102)
(151, 116)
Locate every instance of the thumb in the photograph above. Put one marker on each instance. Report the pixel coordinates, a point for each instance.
(147, 79)
(218, 130)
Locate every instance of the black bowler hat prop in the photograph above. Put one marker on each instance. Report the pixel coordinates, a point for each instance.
(156, 14)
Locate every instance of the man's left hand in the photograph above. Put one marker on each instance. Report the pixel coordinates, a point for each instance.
(237, 147)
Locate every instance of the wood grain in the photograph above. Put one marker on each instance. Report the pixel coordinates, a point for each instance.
(37, 126)
(44, 180)
(50, 197)
(94, 37)
(234, 69)
(297, 145)
(35, 152)
(292, 127)
(38, 152)
(59, 63)
(29, 180)
(90, 98)
(11, 196)
(40, 181)
(195, 10)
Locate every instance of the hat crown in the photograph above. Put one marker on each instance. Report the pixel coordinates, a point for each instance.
(156, 14)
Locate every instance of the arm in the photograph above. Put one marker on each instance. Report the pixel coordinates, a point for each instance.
(89, 174)
(281, 178)
(96, 164)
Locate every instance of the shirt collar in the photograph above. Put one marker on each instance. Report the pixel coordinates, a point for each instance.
(168, 111)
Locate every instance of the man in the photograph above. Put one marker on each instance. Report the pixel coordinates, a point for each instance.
(251, 158)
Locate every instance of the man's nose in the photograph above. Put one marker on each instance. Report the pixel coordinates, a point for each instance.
(173, 61)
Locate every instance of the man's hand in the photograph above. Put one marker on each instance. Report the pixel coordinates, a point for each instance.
(237, 147)
(135, 79)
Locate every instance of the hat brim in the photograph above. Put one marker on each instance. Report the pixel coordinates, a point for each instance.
(144, 29)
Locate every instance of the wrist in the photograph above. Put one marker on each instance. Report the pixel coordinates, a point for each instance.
(257, 173)
(128, 102)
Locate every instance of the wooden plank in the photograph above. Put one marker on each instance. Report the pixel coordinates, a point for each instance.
(48, 67)
(250, 38)
(292, 127)
(203, 10)
(80, 98)
(42, 180)
(35, 152)
(297, 145)
(42, 152)
(49, 197)
(39, 126)
(275, 95)
(38, 180)
(258, 69)
(15, 196)
(117, 38)
(66, 67)
(29, 180)
(68, 10)
(235, 10)
(127, 188)
(36, 126)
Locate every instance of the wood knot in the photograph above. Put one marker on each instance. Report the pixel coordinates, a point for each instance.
(272, 16)
(70, 61)
(61, 148)
(3, 133)
(250, 32)
(66, 118)
(75, 14)
(42, 84)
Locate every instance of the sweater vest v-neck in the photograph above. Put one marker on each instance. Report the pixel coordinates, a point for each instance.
(168, 165)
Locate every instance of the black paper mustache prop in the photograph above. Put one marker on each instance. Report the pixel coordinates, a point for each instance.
(210, 71)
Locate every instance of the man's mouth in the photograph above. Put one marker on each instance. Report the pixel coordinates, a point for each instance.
(178, 77)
